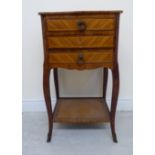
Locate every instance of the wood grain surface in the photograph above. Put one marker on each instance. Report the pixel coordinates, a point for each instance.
(81, 40)
(72, 24)
(81, 111)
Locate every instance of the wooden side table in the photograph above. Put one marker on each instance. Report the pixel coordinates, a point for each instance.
(81, 40)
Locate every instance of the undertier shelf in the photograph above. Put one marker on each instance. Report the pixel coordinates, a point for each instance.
(85, 110)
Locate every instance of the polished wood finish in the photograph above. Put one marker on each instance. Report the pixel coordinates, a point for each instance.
(80, 24)
(115, 91)
(86, 57)
(56, 82)
(79, 33)
(81, 111)
(105, 80)
(81, 67)
(81, 40)
(46, 89)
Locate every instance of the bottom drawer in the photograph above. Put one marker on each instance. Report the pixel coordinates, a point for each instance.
(84, 58)
(81, 57)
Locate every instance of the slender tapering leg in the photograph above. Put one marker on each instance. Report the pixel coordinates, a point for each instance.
(56, 82)
(105, 79)
(46, 88)
(115, 91)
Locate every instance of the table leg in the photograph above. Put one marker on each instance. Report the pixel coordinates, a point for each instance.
(105, 79)
(115, 91)
(46, 89)
(56, 82)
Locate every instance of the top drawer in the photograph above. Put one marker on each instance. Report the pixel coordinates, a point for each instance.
(81, 24)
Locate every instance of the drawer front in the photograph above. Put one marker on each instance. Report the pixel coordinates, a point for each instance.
(80, 42)
(80, 58)
(80, 24)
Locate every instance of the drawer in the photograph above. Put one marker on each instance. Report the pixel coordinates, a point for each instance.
(82, 57)
(80, 24)
(80, 42)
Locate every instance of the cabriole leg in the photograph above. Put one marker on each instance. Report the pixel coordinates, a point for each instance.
(115, 91)
(46, 89)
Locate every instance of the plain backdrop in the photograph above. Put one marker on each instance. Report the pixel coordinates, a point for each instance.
(73, 82)
(144, 32)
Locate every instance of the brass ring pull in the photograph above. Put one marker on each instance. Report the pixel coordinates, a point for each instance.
(80, 60)
(81, 25)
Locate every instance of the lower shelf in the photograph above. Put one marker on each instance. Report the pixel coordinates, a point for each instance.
(83, 110)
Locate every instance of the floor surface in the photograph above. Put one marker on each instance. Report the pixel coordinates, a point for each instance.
(76, 139)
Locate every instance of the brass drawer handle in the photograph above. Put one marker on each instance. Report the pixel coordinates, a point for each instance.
(80, 59)
(81, 25)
